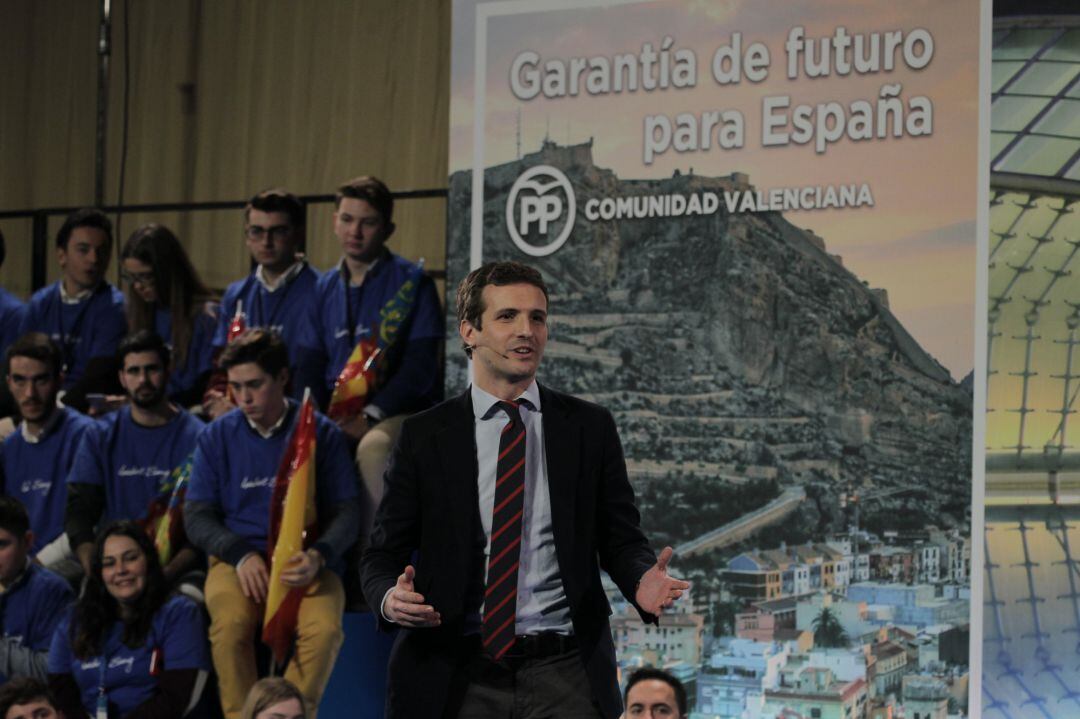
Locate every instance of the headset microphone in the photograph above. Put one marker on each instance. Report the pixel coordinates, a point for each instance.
(489, 349)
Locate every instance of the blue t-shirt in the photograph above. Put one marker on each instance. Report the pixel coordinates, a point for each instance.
(12, 310)
(88, 329)
(411, 377)
(283, 310)
(200, 354)
(131, 461)
(31, 608)
(235, 467)
(34, 473)
(177, 630)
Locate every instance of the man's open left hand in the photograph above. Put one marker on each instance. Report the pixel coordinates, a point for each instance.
(656, 590)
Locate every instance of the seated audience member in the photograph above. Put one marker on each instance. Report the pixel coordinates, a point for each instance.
(34, 461)
(227, 515)
(27, 698)
(128, 647)
(12, 310)
(125, 458)
(350, 305)
(273, 698)
(277, 294)
(81, 312)
(164, 294)
(654, 694)
(33, 598)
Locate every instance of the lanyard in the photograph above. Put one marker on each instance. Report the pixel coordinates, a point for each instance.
(102, 698)
(260, 291)
(349, 324)
(76, 326)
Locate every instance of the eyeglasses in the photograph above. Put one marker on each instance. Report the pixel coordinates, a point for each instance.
(277, 232)
(143, 278)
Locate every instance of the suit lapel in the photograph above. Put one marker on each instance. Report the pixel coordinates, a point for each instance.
(457, 449)
(562, 450)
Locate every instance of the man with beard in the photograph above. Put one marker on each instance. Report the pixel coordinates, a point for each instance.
(36, 458)
(127, 455)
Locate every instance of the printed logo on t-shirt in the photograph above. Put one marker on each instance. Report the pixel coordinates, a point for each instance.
(68, 340)
(151, 471)
(343, 332)
(126, 662)
(36, 485)
(255, 482)
(16, 639)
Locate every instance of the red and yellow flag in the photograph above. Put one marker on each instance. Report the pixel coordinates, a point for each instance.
(356, 381)
(292, 527)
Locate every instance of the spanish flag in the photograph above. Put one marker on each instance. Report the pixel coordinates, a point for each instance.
(356, 381)
(165, 519)
(292, 527)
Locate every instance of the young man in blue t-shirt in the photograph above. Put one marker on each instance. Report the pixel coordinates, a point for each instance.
(81, 312)
(35, 459)
(227, 515)
(124, 459)
(32, 599)
(277, 294)
(349, 308)
(12, 310)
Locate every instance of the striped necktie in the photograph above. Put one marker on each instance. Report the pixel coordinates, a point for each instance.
(500, 594)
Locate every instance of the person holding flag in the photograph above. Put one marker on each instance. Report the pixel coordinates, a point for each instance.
(266, 476)
(129, 462)
(370, 346)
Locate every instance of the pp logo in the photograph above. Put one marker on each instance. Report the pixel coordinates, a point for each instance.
(541, 204)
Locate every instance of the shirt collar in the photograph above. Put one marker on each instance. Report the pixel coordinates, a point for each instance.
(75, 298)
(283, 279)
(27, 568)
(484, 402)
(358, 280)
(46, 430)
(268, 433)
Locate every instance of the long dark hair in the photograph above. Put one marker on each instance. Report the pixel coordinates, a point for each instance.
(97, 610)
(176, 282)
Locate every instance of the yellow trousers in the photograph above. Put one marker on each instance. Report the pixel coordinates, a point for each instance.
(234, 620)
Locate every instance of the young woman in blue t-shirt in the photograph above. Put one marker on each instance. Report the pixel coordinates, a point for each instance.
(163, 293)
(128, 649)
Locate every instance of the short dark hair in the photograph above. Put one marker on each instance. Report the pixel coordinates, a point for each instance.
(260, 346)
(13, 518)
(86, 217)
(470, 293)
(23, 690)
(278, 200)
(372, 190)
(142, 341)
(38, 346)
(646, 673)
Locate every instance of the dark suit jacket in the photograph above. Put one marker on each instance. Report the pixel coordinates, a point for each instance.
(430, 506)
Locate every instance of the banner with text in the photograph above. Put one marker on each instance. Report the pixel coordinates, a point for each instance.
(757, 221)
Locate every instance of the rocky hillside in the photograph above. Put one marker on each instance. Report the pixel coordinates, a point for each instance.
(732, 346)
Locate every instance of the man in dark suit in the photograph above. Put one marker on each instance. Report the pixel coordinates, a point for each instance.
(509, 499)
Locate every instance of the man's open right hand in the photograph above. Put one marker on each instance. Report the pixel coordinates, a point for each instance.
(405, 607)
